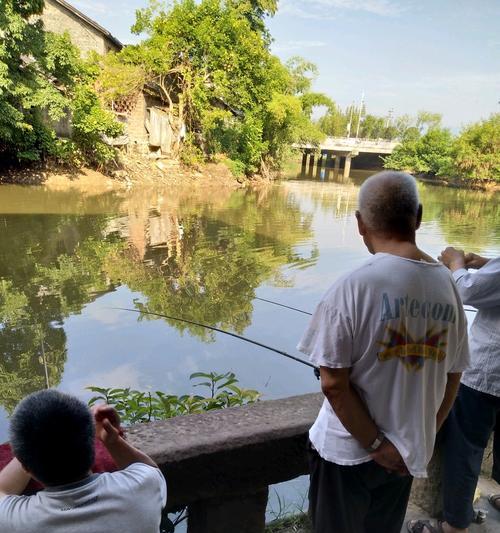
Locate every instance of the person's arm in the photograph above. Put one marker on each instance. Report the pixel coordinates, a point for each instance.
(109, 432)
(481, 289)
(13, 479)
(450, 393)
(352, 412)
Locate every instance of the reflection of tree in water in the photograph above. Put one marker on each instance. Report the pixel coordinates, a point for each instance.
(470, 219)
(223, 256)
(50, 266)
(205, 264)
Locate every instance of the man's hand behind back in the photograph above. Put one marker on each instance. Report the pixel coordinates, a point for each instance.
(388, 456)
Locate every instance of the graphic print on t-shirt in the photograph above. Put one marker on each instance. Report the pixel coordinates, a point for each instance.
(413, 352)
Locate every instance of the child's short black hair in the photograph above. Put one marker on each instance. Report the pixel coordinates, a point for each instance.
(52, 435)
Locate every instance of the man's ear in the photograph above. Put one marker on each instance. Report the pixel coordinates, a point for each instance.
(419, 215)
(361, 224)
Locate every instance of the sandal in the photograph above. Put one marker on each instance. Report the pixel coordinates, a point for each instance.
(494, 500)
(424, 526)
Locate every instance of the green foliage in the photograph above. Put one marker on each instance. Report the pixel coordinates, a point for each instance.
(429, 154)
(477, 150)
(136, 407)
(43, 80)
(474, 155)
(338, 123)
(210, 63)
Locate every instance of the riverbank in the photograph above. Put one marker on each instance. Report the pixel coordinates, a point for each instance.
(132, 172)
(457, 183)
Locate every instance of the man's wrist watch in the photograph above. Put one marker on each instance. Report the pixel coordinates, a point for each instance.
(375, 445)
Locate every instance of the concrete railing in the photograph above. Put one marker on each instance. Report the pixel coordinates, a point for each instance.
(221, 463)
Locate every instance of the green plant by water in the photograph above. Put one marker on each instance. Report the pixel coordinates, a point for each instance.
(136, 407)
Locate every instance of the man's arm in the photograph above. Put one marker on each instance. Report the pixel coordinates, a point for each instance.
(450, 394)
(352, 412)
(13, 479)
(481, 289)
(108, 431)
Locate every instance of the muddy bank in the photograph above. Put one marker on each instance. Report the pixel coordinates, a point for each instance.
(133, 172)
(457, 183)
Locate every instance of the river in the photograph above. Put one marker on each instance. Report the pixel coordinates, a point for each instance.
(68, 260)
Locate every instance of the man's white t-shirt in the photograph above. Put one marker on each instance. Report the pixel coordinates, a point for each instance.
(128, 501)
(399, 325)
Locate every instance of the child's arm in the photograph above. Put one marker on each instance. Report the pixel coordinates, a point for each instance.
(109, 432)
(13, 479)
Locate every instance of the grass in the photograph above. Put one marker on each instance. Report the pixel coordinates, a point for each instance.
(298, 523)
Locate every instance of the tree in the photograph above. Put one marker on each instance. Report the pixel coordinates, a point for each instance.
(429, 154)
(42, 80)
(210, 63)
(477, 150)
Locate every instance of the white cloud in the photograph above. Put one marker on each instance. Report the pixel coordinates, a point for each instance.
(290, 46)
(328, 9)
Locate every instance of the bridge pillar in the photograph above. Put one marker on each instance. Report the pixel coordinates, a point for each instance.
(337, 162)
(304, 162)
(311, 165)
(320, 165)
(347, 165)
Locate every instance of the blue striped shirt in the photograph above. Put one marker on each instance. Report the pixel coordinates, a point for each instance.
(482, 290)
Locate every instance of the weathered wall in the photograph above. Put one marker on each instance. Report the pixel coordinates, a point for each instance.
(57, 19)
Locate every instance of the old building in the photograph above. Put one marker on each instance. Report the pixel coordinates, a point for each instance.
(60, 16)
(148, 128)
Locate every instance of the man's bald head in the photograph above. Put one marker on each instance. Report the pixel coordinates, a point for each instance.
(389, 203)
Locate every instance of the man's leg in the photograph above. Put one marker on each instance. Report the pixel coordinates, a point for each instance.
(467, 431)
(496, 449)
(338, 498)
(389, 499)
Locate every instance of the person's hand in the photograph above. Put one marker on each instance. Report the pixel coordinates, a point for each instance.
(388, 456)
(475, 261)
(107, 423)
(452, 258)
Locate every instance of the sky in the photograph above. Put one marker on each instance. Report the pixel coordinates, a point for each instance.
(404, 55)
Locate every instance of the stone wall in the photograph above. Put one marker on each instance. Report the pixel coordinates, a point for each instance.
(221, 463)
(58, 19)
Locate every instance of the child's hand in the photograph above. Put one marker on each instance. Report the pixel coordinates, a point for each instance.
(107, 423)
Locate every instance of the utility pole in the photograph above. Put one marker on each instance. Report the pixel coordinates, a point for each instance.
(349, 125)
(362, 102)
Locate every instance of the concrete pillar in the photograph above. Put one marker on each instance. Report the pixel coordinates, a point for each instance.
(337, 162)
(347, 166)
(304, 163)
(236, 513)
(426, 493)
(311, 165)
(320, 165)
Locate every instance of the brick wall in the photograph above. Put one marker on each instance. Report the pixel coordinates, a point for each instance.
(57, 19)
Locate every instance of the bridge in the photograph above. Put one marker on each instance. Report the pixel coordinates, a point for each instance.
(341, 150)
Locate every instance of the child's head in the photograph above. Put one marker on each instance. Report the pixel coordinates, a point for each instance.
(52, 435)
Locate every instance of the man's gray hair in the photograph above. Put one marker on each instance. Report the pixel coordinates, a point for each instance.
(389, 203)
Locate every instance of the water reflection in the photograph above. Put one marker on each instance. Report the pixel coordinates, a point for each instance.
(190, 254)
(67, 259)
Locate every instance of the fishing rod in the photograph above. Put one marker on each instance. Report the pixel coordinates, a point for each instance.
(283, 305)
(310, 314)
(218, 330)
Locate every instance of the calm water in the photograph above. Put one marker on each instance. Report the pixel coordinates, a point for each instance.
(67, 260)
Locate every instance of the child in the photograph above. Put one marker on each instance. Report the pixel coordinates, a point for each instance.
(52, 438)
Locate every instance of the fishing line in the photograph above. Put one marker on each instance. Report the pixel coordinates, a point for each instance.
(310, 314)
(218, 330)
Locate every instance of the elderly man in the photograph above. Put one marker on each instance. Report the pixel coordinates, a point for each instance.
(390, 339)
(476, 412)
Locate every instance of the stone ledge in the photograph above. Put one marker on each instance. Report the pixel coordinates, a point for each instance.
(232, 451)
